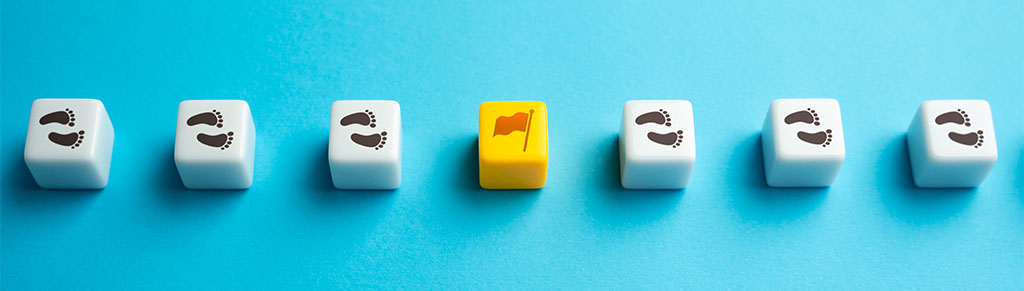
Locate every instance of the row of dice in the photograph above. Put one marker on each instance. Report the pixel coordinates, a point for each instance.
(70, 142)
(951, 143)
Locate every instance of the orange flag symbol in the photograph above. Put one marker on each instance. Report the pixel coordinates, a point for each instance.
(507, 124)
(520, 121)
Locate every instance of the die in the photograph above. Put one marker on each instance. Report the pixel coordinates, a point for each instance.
(69, 143)
(803, 143)
(657, 149)
(952, 143)
(513, 141)
(365, 150)
(215, 144)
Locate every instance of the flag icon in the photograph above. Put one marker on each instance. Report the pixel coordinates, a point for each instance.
(520, 121)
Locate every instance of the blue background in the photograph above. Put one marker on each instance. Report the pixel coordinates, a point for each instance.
(871, 229)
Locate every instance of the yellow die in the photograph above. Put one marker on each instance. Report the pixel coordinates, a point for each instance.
(513, 144)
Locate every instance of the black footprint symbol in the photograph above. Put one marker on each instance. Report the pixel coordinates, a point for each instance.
(673, 139)
(365, 118)
(375, 141)
(72, 140)
(212, 118)
(958, 117)
(970, 139)
(222, 141)
(805, 116)
(63, 117)
(660, 117)
(824, 138)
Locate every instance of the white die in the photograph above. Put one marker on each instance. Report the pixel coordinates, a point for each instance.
(69, 143)
(952, 143)
(656, 145)
(215, 144)
(803, 143)
(365, 150)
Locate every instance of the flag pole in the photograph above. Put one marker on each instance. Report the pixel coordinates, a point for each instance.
(528, 122)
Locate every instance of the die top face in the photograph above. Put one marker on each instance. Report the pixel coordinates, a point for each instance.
(365, 131)
(65, 129)
(808, 129)
(658, 130)
(513, 131)
(213, 131)
(958, 129)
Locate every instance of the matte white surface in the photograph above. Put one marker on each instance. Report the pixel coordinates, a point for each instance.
(374, 167)
(790, 161)
(939, 161)
(56, 166)
(646, 164)
(203, 166)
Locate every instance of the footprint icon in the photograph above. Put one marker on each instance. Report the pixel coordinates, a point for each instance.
(805, 116)
(957, 117)
(969, 139)
(364, 118)
(212, 118)
(67, 117)
(823, 138)
(673, 139)
(222, 141)
(660, 117)
(375, 141)
(72, 140)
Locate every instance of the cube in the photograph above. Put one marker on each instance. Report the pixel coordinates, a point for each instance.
(803, 143)
(69, 143)
(513, 140)
(365, 150)
(656, 145)
(215, 144)
(952, 143)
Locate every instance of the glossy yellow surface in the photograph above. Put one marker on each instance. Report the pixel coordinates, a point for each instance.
(515, 156)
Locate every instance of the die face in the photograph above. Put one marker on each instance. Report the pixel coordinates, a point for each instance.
(803, 143)
(657, 145)
(807, 129)
(958, 130)
(365, 150)
(365, 131)
(215, 144)
(513, 131)
(67, 129)
(69, 143)
(513, 141)
(658, 130)
(951, 143)
(213, 130)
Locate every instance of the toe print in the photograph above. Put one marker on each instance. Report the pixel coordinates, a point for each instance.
(958, 117)
(222, 141)
(673, 139)
(72, 140)
(364, 118)
(805, 116)
(823, 138)
(375, 141)
(212, 118)
(974, 139)
(67, 116)
(660, 117)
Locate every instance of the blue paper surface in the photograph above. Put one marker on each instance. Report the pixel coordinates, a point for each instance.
(440, 60)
